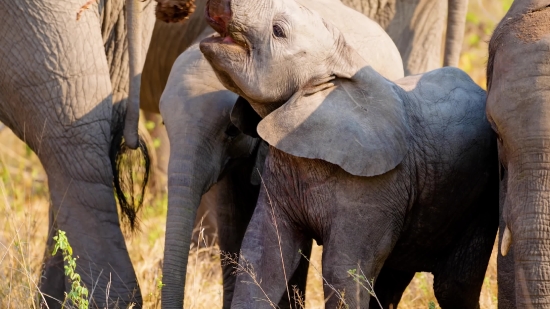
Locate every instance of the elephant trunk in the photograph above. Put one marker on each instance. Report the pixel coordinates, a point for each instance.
(183, 201)
(456, 20)
(527, 204)
(133, 25)
(190, 175)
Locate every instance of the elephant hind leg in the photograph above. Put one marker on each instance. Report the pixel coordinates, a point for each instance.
(389, 287)
(298, 280)
(459, 278)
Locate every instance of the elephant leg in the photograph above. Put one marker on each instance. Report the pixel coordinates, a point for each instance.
(269, 257)
(160, 145)
(236, 203)
(56, 95)
(205, 232)
(52, 279)
(298, 281)
(459, 278)
(339, 259)
(417, 32)
(389, 287)
(84, 207)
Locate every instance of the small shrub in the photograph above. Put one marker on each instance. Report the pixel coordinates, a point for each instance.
(78, 294)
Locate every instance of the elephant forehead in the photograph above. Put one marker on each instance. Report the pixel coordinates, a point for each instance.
(532, 26)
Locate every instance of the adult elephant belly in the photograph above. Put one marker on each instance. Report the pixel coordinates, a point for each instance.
(57, 90)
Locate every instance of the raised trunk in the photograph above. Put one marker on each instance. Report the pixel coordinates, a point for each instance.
(526, 214)
(456, 20)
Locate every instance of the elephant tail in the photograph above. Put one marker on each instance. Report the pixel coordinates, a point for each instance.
(131, 169)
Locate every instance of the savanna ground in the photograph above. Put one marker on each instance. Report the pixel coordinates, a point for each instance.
(24, 204)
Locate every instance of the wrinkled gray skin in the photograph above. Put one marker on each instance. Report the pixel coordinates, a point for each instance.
(416, 27)
(518, 75)
(184, 196)
(391, 178)
(195, 107)
(59, 79)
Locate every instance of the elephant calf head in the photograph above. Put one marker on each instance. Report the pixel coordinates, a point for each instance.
(266, 50)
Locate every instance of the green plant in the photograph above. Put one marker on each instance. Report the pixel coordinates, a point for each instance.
(78, 294)
(360, 278)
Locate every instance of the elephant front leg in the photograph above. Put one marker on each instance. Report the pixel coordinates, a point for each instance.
(269, 257)
(459, 278)
(233, 212)
(52, 279)
(351, 265)
(389, 287)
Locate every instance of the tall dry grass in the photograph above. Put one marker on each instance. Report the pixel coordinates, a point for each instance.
(24, 217)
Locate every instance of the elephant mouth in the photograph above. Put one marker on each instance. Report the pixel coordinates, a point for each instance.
(218, 14)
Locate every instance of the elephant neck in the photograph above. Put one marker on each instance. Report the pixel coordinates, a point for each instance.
(265, 109)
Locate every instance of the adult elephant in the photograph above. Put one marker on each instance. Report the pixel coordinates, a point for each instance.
(207, 149)
(64, 83)
(518, 106)
(416, 28)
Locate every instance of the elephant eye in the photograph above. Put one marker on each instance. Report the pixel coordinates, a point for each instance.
(278, 31)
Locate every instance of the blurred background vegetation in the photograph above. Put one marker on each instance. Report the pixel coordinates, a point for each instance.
(24, 203)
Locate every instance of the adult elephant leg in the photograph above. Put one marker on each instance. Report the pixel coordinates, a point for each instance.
(56, 95)
(159, 144)
(416, 29)
(85, 209)
(456, 21)
(52, 278)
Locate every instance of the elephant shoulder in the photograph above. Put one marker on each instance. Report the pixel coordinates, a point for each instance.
(447, 89)
(446, 103)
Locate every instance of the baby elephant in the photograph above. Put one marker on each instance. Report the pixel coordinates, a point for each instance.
(391, 178)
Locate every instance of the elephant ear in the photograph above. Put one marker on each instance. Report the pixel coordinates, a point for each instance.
(245, 118)
(361, 127)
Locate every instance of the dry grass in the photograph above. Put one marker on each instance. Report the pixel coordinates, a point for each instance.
(24, 204)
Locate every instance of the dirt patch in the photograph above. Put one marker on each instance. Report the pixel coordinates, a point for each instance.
(528, 28)
(531, 27)
(173, 11)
